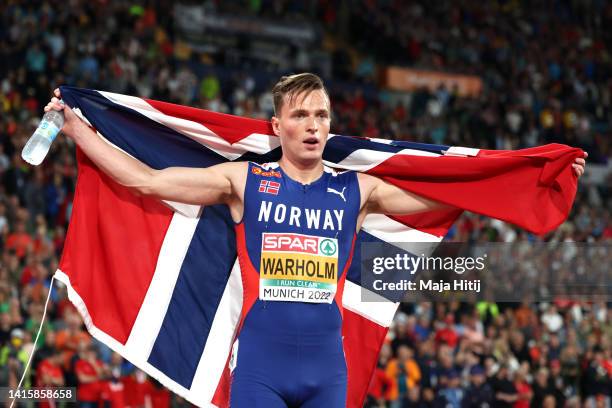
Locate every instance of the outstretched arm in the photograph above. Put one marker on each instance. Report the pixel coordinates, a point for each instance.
(202, 186)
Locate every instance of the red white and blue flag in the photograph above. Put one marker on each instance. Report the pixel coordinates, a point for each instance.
(159, 282)
(270, 187)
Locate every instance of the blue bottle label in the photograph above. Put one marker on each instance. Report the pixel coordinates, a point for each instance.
(48, 130)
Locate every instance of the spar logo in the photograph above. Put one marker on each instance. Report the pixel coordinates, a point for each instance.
(328, 247)
(304, 244)
(290, 243)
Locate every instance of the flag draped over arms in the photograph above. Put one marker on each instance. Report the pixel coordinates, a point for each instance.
(159, 282)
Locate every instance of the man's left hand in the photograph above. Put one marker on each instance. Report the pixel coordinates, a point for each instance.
(579, 164)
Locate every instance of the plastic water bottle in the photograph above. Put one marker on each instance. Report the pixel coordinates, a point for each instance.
(38, 146)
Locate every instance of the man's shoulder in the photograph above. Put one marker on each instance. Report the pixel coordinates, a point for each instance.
(235, 173)
(232, 170)
(367, 181)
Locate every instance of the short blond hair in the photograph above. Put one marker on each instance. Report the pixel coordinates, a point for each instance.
(293, 85)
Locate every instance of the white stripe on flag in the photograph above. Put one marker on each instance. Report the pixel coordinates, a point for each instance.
(217, 349)
(461, 151)
(255, 142)
(383, 141)
(188, 210)
(389, 230)
(380, 311)
(150, 316)
(366, 159)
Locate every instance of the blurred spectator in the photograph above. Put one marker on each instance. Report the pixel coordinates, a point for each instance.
(113, 388)
(451, 395)
(13, 358)
(598, 376)
(49, 374)
(523, 388)
(404, 373)
(381, 384)
(504, 391)
(541, 387)
(552, 320)
(479, 392)
(90, 372)
(19, 241)
(69, 339)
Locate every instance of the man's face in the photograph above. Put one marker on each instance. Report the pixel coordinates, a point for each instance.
(303, 126)
(477, 379)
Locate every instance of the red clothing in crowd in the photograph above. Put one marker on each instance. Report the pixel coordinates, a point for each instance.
(134, 391)
(20, 242)
(26, 275)
(87, 392)
(113, 392)
(523, 389)
(447, 335)
(48, 369)
(160, 397)
(137, 391)
(380, 384)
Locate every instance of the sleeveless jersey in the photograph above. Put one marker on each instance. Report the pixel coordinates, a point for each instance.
(295, 244)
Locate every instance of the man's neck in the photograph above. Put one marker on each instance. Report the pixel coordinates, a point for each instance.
(303, 173)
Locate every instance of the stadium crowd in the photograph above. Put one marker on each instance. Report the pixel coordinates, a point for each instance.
(547, 77)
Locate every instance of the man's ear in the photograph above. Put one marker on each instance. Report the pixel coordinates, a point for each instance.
(275, 126)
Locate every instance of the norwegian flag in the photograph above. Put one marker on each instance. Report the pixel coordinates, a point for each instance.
(270, 187)
(159, 283)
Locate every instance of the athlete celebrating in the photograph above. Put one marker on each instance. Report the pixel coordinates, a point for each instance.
(296, 224)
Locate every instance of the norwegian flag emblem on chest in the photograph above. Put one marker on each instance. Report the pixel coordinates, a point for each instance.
(270, 187)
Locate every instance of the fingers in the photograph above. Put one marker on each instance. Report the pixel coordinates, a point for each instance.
(54, 104)
(579, 164)
(578, 169)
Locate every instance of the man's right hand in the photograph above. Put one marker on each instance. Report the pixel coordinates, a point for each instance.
(71, 120)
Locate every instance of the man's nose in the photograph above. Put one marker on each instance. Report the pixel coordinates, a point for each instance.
(312, 125)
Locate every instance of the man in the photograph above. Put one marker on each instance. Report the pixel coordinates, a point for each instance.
(89, 371)
(405, 374)
(451, 395)
(504, 391)
(479, 393)
(296, 223)
(49, 375)
(13, 359)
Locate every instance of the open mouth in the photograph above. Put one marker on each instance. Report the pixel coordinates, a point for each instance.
(311, 141)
